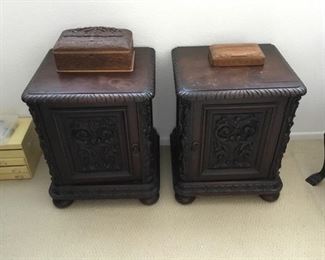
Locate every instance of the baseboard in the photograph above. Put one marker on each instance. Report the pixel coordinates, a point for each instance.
(306, 135)
(293, 136)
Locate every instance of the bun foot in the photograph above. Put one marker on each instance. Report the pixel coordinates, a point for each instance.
(270, 197)
(150, 201)
(184, 199)
(61, 204)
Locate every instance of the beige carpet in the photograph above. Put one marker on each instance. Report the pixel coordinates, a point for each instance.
(227, 227)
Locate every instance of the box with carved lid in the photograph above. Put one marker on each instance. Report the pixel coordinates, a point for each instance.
(96, 131)
(233, 124)
(94, 49)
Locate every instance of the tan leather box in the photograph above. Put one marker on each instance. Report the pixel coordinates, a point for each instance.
(20, 155)
(245, 54)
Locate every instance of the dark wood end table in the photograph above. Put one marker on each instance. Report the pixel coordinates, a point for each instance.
(96, 131)
(233, 124)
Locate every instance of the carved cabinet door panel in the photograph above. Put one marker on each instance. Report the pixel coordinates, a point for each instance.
(95, 144)
(235, 141)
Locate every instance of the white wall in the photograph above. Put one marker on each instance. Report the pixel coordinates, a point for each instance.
(30, 28)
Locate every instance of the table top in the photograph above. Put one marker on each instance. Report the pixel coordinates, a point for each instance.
(194, 76)
(47, 85)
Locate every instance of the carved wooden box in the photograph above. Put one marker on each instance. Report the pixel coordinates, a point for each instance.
(233, 124)
(96, 131)
(94, 49)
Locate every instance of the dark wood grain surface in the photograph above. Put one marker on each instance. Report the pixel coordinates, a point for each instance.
(194, 73)
(46, 80)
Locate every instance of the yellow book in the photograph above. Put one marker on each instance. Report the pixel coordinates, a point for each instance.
(12, 161)
(13, 169)
(15, 176)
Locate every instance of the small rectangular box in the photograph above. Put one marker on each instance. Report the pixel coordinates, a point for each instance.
(245, 54)
(94, 49)
(19, 156)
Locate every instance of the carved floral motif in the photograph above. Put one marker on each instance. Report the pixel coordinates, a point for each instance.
(95, 143)
(99, 31)
(234, 140)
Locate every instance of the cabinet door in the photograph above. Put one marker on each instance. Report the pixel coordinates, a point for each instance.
(235, 141)
(93, 145)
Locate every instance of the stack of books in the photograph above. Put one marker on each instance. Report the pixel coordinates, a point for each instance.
(19, 149)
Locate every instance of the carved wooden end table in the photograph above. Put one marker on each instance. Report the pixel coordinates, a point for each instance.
(233, 124)
(96, 131)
